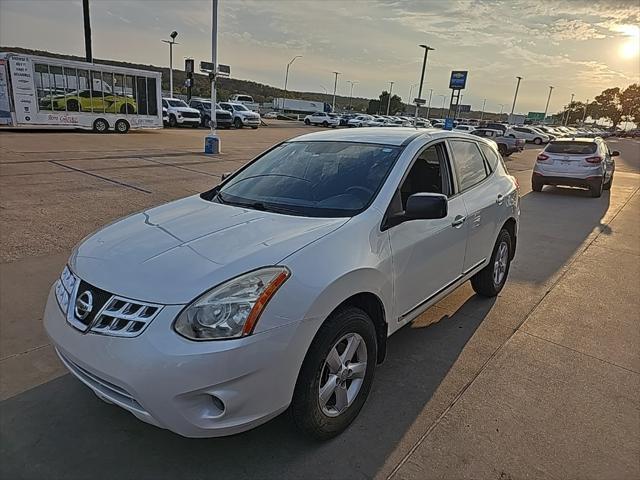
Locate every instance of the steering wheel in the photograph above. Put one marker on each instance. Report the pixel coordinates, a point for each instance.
(363, 192)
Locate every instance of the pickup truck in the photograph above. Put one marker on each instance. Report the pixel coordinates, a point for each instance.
(506, 145)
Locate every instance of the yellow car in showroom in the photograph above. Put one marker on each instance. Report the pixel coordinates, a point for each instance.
(88, 101)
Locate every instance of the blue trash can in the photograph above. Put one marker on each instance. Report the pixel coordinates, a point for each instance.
(212, 144)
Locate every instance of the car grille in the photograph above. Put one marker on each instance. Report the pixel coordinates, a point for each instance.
(190, 114)
(108, 314)
(223, 116)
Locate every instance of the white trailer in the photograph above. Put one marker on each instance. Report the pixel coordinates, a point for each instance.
(49, 92)
(300, 106)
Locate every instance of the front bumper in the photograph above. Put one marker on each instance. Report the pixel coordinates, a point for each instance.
(187, 120)
(177, 384)
(251, 121)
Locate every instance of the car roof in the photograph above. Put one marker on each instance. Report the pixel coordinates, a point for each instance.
(575, 139)
(381, 135)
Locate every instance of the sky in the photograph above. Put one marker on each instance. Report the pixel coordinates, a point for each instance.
(576, 46)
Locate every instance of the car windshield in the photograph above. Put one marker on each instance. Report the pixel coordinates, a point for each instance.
(177, 103)
(575, 148)
(315, 179)
(239, 107)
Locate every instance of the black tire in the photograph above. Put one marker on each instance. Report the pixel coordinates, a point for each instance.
(195, 125)
(205, 121)
(254, 128)
(173, 121)
(307, 121)
(325, 124)
(537, 141)
(121, 126)
(536, 186)
(126, 108)
(607, 185)
(237, 123)
(483, 282)
(596, 190)
(502, 150)
(73, 106)
(305, 409)
(100, 125)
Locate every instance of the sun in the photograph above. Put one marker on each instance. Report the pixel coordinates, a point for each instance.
(631, 46)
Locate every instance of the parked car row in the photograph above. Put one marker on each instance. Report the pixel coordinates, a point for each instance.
(363, 120)
(197, 113)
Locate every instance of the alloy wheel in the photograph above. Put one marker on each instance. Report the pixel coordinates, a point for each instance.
(500, 263)
(342, 374)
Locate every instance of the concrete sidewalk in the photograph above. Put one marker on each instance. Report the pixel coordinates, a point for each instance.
(560, 398)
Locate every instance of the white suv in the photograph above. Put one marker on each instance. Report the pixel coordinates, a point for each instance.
(180, 113)
(528, 135)
(322, 118)
(278, 287)
(242, 116)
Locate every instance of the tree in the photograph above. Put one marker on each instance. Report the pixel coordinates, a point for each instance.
(608, 105)
(374, 107)
(630, 103)
(396, 103)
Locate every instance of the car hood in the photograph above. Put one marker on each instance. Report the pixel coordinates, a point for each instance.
(173, 253)
(185, 109)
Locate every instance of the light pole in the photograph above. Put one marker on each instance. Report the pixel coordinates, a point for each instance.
(584, 115)
(171, 43)
(484, 103)
(286, 79)
(335, 84)
(501, 109)
(546, 108)
(515, 96)
(87, 30)
(444, 99)
(211, 141)
(429, 104)
(457, 113)
(389, 100)
(351, 92)
(410, 92)
(566, 120)
(424, 65)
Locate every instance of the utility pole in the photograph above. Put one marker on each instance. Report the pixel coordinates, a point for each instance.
(286, 79)
(351, 93)
(515, 96)
(424, 66)
(566, 120)
(211, 141)
(546, 108)
(335, 84)
(484, 103)
(171, 43)
(389, 101)
(87, 30)
(429, 104)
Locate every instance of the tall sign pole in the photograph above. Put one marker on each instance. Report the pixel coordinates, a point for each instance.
(87, 30)
(212, 141)
(335, 85)
(389, 101)
(546, 108)
(424, 66)
(515, 96)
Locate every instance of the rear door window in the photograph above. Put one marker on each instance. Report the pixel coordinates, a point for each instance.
(491, 155)
(572, 148)
(469, 163)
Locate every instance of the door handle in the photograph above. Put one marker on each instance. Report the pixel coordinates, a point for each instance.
(500, 199)
(458, 221)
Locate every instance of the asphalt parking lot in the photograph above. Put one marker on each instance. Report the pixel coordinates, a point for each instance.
(541, 382)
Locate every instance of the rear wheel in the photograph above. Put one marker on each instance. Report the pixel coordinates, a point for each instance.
(502, 149)
(100, 125)
(121, 126)
(126, 108)
(536, 186)
(489, 281)
(73, 106)
(607, 185)
(537, 141)
(336, 375)
(596, 190)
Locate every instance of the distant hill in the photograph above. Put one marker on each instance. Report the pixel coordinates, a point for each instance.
(202, 88)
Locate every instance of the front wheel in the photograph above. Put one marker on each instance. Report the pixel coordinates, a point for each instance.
(537, 141)
(489, 281)
(237, 123)
(173, 121)
(307, 121)
(325, 124)
(336, 375)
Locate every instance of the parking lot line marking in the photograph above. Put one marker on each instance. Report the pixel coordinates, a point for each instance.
(106, 179)
(181, 167)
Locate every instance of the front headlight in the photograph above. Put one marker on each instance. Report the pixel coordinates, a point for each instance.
(231, 310)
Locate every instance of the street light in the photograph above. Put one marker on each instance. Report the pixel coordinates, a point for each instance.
(501, 109)
(286, 79)
(444, 99)
(584, 115)
(515, 96)
(389, 100)
(429, 104)
(546, 108)
(484, 103)
(171, 43)
(351, 93)
(424, 65)
(566, 120)
(335, 84)
(410, 91)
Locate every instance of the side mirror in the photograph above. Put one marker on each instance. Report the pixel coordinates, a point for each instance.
(426, 206)
(225, 175)
(615, 153)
